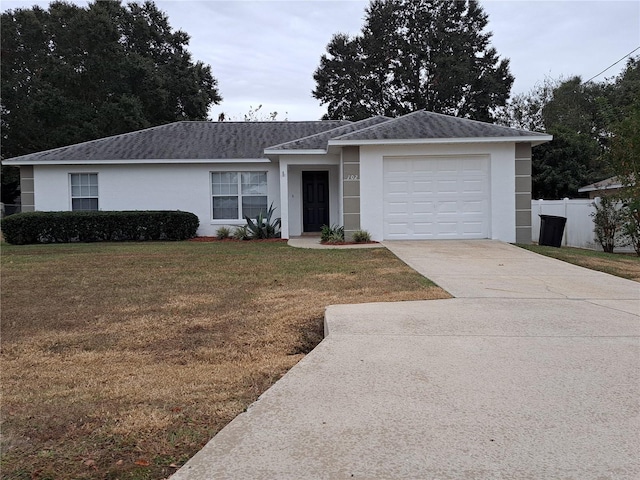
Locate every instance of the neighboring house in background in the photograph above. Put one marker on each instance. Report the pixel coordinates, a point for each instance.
(419, 176)
(608, 186)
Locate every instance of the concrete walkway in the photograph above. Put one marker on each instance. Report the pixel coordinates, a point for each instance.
(532, 372)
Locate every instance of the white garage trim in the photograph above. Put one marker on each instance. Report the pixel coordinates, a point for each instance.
(436, 197)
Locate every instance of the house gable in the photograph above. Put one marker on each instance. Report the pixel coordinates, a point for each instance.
(429, 127)
(319, 142)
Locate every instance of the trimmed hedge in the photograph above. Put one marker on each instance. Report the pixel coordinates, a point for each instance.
(65, 227)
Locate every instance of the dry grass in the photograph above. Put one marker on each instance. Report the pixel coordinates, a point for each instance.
(122, 360)
(618, 264)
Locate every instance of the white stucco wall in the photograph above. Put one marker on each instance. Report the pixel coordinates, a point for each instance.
(502, 182)
(291, 168)
(185, 187)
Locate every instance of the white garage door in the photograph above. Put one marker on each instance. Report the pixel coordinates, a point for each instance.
(436, 197)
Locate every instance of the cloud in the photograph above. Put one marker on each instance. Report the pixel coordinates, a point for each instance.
(265, 52)
(563, 38)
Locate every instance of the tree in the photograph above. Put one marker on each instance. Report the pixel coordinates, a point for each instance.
(624, 151)
(71, 74)
(525, 110)
(584, 109)
(253, 115)
(576, 114)
(595, 130)
(414, 54)
(624, 93)
(10, 185)
(562, 166)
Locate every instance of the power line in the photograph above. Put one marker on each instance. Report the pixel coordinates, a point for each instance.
(612, 65)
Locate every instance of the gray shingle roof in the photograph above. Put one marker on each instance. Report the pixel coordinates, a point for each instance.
(248, 140)
(188, 140)
(423, 124)
(319, 140)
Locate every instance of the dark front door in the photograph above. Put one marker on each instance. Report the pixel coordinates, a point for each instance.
(315, 201)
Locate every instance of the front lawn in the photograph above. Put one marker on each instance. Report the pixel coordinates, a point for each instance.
(122, 360)
(619, 264)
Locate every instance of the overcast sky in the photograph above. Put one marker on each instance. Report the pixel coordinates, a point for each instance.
(265, 52)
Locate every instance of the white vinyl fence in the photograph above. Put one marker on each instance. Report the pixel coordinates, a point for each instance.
(578, 231)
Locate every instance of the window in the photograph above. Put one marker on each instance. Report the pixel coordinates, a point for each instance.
(84, 191)
(238, 194)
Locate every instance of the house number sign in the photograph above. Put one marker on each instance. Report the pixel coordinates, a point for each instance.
(352, 177)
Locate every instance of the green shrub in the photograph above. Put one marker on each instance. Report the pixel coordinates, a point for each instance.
(334, 238)
(631, 226)
(608, 220)
(223, 233)
(65, 227)
(264, 227)
(331, 234)
(361, 236)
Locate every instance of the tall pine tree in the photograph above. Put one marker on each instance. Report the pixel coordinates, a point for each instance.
(414, 54)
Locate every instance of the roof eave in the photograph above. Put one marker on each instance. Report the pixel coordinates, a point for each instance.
(316, 151)
(133, 161)
(591, 188)
(534, 140)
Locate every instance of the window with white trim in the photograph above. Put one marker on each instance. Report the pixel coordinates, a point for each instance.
(84, 191)
(238, 194)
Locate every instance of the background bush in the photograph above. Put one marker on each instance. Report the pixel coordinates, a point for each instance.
(608, 221)
(241, 233)
(64, 227)
(631, 227)
(223, 233)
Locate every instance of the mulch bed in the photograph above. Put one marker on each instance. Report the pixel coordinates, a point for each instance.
(216, 239)
(348, 243)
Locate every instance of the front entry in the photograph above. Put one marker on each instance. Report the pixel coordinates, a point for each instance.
(315, 201)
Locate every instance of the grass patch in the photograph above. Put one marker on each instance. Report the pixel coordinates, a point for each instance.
(122, 360)
(618, 264)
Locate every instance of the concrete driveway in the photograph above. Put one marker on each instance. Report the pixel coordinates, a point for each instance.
(532, 372)
(491, 269)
